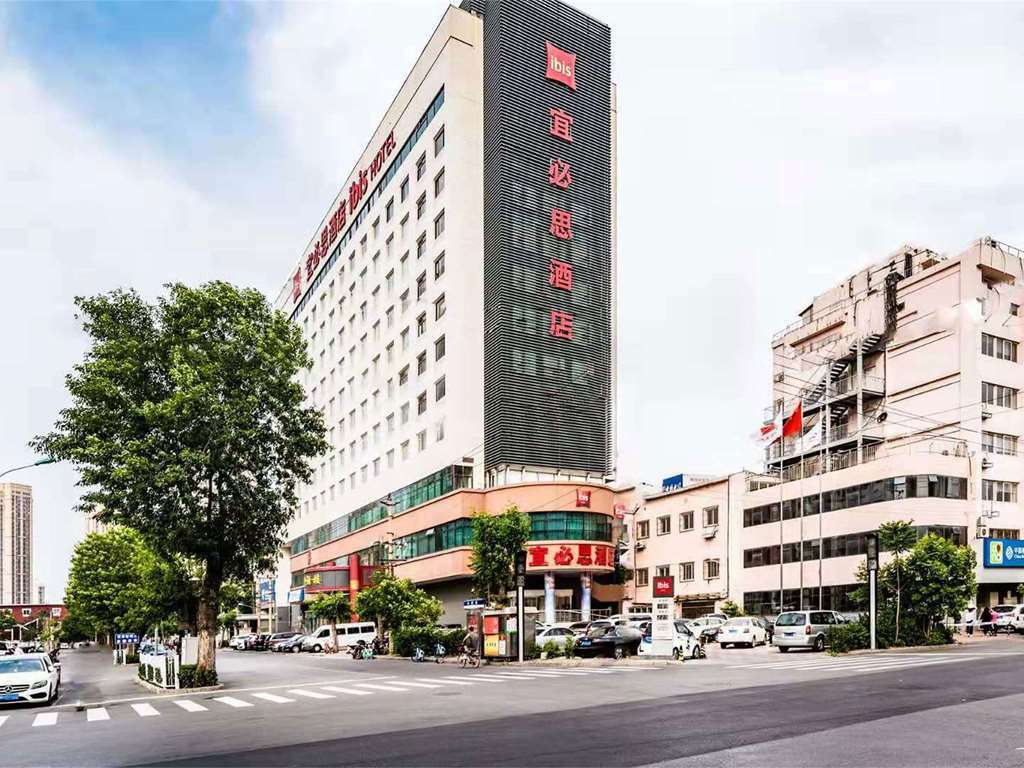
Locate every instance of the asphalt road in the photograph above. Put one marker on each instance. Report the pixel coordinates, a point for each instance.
(946, 707)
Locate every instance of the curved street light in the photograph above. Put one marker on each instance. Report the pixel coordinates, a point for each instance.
(45, 460)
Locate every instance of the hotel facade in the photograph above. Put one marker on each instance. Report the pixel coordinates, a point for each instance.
(907, 376)
(458, 300)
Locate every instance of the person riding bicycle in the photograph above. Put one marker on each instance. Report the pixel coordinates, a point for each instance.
(469, 642)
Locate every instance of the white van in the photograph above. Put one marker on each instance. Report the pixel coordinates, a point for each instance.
(348, 634)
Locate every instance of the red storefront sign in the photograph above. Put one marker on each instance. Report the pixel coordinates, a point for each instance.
(583, 497)
(570, 555)
(663, 586)
(561, 66)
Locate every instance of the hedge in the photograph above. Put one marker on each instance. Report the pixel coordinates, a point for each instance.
(409, 638)
(190, 676)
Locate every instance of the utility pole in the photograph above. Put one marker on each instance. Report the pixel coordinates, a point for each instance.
(872, 555)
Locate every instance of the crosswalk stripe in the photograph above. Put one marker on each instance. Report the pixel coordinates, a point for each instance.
(859, 663)
(376, 687)
(518, 676)
(273, 697)
(449, 680)
(189, 706)
(3, 719)
(45, 718)
(231, 701)
(310, 694)
(96, 714)
(349, 691)
(488, 678)
(145, 710)
(410, 683)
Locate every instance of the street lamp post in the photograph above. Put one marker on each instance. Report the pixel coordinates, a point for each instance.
(46, 460)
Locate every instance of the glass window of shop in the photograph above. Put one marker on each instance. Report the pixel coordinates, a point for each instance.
(571, 526)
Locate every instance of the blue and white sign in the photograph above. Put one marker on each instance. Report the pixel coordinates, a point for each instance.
(297, 595)
(476, 602)
(267, 592)
(1003, 553)
(125, 638)
(673, 483)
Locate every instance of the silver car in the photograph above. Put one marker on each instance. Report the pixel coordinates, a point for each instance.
(804, 629)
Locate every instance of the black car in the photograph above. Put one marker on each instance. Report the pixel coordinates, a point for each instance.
(613, 642)
(280, 637)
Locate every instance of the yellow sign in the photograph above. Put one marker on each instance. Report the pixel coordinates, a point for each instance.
(491, 647)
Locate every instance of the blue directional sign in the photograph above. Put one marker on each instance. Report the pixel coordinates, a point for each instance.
(1003, 553)
(126, 638)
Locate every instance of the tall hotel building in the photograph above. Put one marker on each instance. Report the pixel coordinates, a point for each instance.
(15, 544)
(458, 299)
(909, 376)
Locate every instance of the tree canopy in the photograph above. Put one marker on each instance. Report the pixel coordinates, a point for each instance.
(395, 603)
(7, 621)
(188, 424)
(496, 540)
(332, 608)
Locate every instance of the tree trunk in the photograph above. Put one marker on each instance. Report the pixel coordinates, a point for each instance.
(899, 597)
(334, 635)
(207, 620)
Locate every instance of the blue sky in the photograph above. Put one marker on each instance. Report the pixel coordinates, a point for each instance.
(766, 151)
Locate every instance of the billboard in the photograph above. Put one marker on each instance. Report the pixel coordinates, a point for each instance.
(1003, 553)
(547, 236)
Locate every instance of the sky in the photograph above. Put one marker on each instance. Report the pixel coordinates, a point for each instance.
(766, 152)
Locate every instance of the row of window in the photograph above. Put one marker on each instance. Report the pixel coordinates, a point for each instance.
(712, 568)
(378, 191)
(997, 394)
(573, 526)
(663, 523)
(999, 490)
(1001, 349)
(889, 489)
(836, 546)
(999, 443)
(835, 597)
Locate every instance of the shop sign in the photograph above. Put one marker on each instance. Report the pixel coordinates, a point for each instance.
(1003, 553)
(491, 645)
(561, 66)
(492, 625)
(664, 586)
(583, 497)
(556, 555)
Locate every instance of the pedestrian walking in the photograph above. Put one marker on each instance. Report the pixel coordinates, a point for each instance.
(969, 617)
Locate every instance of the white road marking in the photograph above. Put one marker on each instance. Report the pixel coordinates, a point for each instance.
(45, 718)
(145, 710)
(518, 676)
(448, 680)
(3, 719)
(488, 678)
(856, 663)
(349, 691)
(407, 683)
(375, 687)
(310, 694)
(189, 706)
(96, 714)
(273, 697)
(231, 701)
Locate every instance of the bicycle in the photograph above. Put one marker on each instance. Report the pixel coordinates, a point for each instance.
(468, 657)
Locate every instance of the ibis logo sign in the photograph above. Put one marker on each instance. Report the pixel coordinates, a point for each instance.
(561, 66)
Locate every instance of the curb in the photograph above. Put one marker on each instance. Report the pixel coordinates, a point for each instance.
(570, 663)
(176, 691)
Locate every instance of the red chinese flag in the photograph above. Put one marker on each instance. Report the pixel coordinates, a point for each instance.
(794, 425)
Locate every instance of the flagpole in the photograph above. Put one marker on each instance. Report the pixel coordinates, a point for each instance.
(782, 451)
(800, 511)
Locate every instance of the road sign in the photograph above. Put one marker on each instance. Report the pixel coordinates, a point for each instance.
(122, 639)
(476, 602)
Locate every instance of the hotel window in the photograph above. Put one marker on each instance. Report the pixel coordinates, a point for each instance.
(421, 166)
(421, 363)
(439, 389)
(421, 245)
(641, 577)
(404, 193)
(389, 316)
(391, 458)
(996, 394)
(686, 571)
(439, 348)
(421, 206)
(439, 266)
(362, 246)
(439, 183)
(663, 525)
(1004, 533)
(421, 324)
(389, 209)
(1015, 309)
(390, 422)
(405, 340)
(439, 141)
(405, 450)
(1001, 349)
(995, 442)
(376, 467)
(389, 282)
(711, 515)
(403, 376)
(404, 225)
(711, 569)
(643, 529)
(686, 521)
(439, 225)
(421, 404)
(364, 473)
(662, 571)
(999, 490)
(389, 350)
(389, 249)
(405, 413)
(376, 227)
(404, 298)
(421, 440)
(421, 286)
(439, 308)
(439, 431)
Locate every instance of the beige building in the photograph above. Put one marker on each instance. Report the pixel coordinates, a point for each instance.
(15, 543)
(908, 377)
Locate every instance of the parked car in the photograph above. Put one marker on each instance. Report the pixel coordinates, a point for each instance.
(29, 678)
(1016, 619)
(289, 645)
(804, 629)
(614, 642)
(721, 616)
(769, 625)
(629, 619)
(742, 630)
(556, 635)
(279, 637)
(1004, 617)
(348, 634)
(238, 642)
(708, 627)
(685, 644)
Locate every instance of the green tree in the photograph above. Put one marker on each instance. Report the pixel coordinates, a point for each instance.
(730, 609)
(898, 537)
(117, 583)
(938, 580)
(332, 608)
(188, 424)
(7, 622)
(496, 540)
(395, 603)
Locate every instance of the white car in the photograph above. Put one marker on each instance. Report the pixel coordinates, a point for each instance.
(28, 678)
(1016, 618)
(1004, 616)
(633, 620)
(556, 635)
(742, 631)
(685, 644)
(238, 642)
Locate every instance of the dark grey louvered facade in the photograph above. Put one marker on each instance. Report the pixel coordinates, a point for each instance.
(547, 400)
